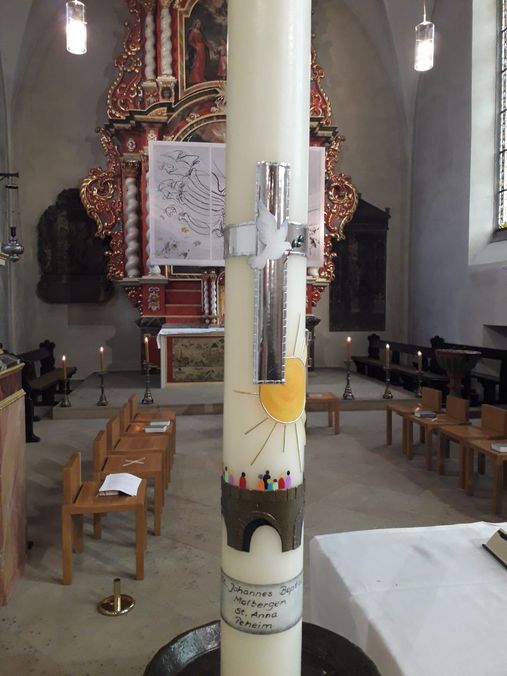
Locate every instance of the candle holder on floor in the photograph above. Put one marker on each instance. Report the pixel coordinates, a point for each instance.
(418, 392)
(148, 397)
(102, 399)
(118, 603)
(347, 392)
(387, 392)
(66, 401)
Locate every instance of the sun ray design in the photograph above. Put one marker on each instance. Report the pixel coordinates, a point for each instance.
(264, 444)
(299, 448)
(284, 404)
(255, 426)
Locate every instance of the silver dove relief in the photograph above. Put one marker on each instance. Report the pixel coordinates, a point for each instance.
(273, 238)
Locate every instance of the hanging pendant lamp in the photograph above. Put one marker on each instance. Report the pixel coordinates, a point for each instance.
(424, 44)
(76, 27)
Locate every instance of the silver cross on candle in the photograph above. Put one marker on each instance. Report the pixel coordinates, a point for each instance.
(268, 241)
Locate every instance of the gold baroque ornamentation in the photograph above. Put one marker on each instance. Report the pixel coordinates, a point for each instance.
(126, 90)
(320, 105)
(101, 195)
(164, 4)
(130, 168)
(135, 296)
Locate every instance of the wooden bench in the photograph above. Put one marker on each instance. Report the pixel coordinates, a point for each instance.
(403, 364)
(40, 376)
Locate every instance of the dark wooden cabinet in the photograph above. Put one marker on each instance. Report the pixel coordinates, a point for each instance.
(357, 295)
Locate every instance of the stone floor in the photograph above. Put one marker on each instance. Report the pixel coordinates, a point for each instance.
(353, 482)
(197, 398)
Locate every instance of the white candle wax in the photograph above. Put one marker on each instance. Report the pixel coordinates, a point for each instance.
(267, 120)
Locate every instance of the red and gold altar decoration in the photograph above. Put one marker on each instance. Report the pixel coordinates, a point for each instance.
(168, 88)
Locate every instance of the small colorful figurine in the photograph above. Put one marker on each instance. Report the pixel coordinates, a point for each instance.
(242, 480)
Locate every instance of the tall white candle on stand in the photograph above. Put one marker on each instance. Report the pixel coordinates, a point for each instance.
(267, 121)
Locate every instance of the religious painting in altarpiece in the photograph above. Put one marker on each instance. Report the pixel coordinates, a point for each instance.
(170, 86)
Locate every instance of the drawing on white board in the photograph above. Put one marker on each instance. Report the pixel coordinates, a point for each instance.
(187, 203)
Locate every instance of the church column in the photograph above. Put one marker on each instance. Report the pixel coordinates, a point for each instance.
(131, 206)
(151, 268)
(150, 55)
(165, 37)
(265, 347)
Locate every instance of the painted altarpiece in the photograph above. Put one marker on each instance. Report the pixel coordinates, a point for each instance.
(170, 86)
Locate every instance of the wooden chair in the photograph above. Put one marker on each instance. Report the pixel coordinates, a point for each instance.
(81, 498)
(431, 400)
(144, 465)
(499, 462)
(148, 415)
(129, 427)
(146, 443)
(328, 401)
(457, 413)
(492, 425)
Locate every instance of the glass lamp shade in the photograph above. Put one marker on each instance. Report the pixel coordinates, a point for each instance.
(76, 27)
(424, 45)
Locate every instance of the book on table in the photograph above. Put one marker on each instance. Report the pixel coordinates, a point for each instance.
(156, 429)
(425, 414)
(500, 446)
(121, 483)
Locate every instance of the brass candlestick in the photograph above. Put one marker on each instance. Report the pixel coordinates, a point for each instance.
(102, 399)
(118, 603)
(387, 392)
(347, 392)
(418, 392)
(148, 397)
(66, 401)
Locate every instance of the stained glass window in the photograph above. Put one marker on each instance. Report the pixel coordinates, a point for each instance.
(502, 118)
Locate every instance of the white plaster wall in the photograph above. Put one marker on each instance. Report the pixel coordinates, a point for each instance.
(369, 110)
(458, 278)
(58, 101)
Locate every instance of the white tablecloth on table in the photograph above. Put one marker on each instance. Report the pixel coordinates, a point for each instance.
(418, 601)
(182, 331)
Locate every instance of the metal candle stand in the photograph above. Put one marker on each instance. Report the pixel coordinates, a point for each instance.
(66, 401)
(347, 392)
(102, 399)
(387, 392)
(148, 397)
(418, 392)
(118, 603)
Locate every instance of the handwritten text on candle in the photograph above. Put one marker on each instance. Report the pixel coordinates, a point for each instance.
(262, 609)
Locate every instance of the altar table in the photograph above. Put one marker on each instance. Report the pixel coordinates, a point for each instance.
(191, 354)
(418, 601)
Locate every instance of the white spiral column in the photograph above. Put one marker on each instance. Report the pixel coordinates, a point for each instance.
(152, 269)
(150, 53)
(205, 296)
(214, 297)
(131, 210)
(166, 61)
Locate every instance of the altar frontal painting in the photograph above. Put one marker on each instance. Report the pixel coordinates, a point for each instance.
(187, 203)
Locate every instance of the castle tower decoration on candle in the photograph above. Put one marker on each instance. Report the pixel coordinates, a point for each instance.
(265, 342)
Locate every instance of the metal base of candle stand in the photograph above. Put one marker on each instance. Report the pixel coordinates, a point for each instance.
(66, 401)
(197, 653)
(347, 392)
(117, 603)
(418, 392)
(102, 399)
(387, 392)
(148, 397)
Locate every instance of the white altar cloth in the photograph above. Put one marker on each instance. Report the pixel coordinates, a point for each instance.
(418, 601)
(190, 331)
